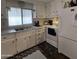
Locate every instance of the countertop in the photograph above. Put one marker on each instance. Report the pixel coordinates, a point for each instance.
(33, 27)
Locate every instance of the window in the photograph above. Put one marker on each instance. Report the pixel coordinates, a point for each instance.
(18, 16)
(14, 16)
(27, 16)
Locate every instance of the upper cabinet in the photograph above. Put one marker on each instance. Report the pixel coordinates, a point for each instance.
(40, 10)
(51, 9)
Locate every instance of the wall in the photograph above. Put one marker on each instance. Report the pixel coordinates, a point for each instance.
(54, 7)
(4, 22)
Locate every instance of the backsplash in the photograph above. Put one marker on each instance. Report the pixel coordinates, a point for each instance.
(47, 21)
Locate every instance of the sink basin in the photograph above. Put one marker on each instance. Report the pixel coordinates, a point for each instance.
(19, 29)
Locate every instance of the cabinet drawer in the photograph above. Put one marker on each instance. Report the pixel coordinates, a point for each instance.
(7, 36)
(21, 35)
(54, 38)
(40, 37)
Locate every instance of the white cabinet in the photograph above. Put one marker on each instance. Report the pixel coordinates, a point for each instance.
(39, 38)
(15, 43)
(40, 35)
(25, 40)
(8, 47)
(40, 10)
(31, 36)
(7, 36)
(21, 41)
(51, 9)
(67, 47)
(21, 44)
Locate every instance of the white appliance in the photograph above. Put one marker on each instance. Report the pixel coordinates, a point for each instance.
(67, 32)
(51, 38)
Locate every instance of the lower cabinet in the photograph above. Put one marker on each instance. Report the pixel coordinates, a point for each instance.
(40, 37)
(31, 37)
(8, 47)
(26, 41)
(21, 44)
(22, 41)
(67, 47)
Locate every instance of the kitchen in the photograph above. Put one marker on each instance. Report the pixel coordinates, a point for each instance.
(38, 29)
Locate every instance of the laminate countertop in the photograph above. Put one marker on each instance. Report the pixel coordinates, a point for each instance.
(29, 29)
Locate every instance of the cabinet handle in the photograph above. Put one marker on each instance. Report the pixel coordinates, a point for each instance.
(39, 34)
(24, 38)
(4, 38)
(13, 41)
(29, 36)
(16, 39)
(75, 16)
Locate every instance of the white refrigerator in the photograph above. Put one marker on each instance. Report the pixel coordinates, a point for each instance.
(67, 32)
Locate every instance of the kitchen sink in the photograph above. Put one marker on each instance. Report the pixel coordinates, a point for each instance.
(19, 29)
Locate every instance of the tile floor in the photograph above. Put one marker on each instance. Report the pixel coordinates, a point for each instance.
(49, 51)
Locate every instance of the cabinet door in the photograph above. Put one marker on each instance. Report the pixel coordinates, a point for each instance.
(67, 47)
(21, 44)
(31, 39)
(40, 10)
(40, 37)
(8, 47)
(21, 34)
(8, 36)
